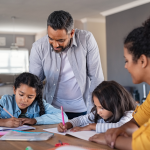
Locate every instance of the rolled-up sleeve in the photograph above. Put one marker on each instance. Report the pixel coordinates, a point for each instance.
(141, 138)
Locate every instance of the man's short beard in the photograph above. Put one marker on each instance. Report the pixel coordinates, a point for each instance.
(63, 49)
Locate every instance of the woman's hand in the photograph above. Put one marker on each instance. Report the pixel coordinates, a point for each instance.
(28, 121)
(64, 128)
(11, 122)
(98, 138)
(112, 134)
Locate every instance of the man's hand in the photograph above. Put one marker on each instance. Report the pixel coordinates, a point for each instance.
(98, 138)
(28, 121)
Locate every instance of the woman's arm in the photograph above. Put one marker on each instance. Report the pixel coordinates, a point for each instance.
(123, 143)
(127, 129)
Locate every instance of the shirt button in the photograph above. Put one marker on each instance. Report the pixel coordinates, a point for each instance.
(5, 117)
(51, 96)
(54, 84)
(57, 69)
(27, 114)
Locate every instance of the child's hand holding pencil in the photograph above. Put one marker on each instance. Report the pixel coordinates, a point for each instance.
(64, 128)
(10, 122)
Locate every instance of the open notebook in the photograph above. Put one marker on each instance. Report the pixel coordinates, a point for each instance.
(21, 128)
(85, 135)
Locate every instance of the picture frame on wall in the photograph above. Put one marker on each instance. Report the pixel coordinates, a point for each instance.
(20, 41)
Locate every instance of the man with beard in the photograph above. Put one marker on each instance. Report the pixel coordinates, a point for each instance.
(69, 60)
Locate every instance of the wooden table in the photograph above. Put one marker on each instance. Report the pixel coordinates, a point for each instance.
(45, 145)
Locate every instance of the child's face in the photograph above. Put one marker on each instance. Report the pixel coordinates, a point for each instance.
(25, 95)
(105, 114)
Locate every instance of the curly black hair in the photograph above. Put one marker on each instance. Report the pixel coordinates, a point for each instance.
(112, 97)
(138, 41)
(34, 82)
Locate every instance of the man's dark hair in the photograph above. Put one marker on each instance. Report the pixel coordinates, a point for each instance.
(60, 20)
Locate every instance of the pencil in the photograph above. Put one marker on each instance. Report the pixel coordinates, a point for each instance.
(6, 111)
(62, 115)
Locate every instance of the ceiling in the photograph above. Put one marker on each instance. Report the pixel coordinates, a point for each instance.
(31, 15)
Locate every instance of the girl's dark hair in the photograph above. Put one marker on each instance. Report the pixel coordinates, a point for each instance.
(60, 20)
(112, 97)
(34, 82)
(138, 41)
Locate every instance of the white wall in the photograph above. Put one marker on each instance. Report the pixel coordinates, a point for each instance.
(40, 34)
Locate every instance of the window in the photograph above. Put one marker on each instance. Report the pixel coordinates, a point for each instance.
(14, 61)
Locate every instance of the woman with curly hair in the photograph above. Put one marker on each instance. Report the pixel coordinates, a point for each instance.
(134, 134)
(26, 105)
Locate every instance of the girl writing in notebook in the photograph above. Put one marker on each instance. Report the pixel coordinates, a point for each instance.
(26, 105)
(113, 107)
(137, 62)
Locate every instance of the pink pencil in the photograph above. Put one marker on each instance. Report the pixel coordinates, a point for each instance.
(6, 111)
(62, 115)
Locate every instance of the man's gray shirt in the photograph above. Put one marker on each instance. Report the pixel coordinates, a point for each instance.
(84, 59)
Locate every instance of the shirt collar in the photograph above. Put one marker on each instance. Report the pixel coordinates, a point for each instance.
(16, 108)
(74, 40)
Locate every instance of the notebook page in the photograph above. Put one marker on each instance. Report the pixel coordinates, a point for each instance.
(54, 130)
(85, 135)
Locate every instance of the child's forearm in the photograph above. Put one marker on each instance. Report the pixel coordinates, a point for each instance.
(92, 126)
(69, 125)
(123, 143)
